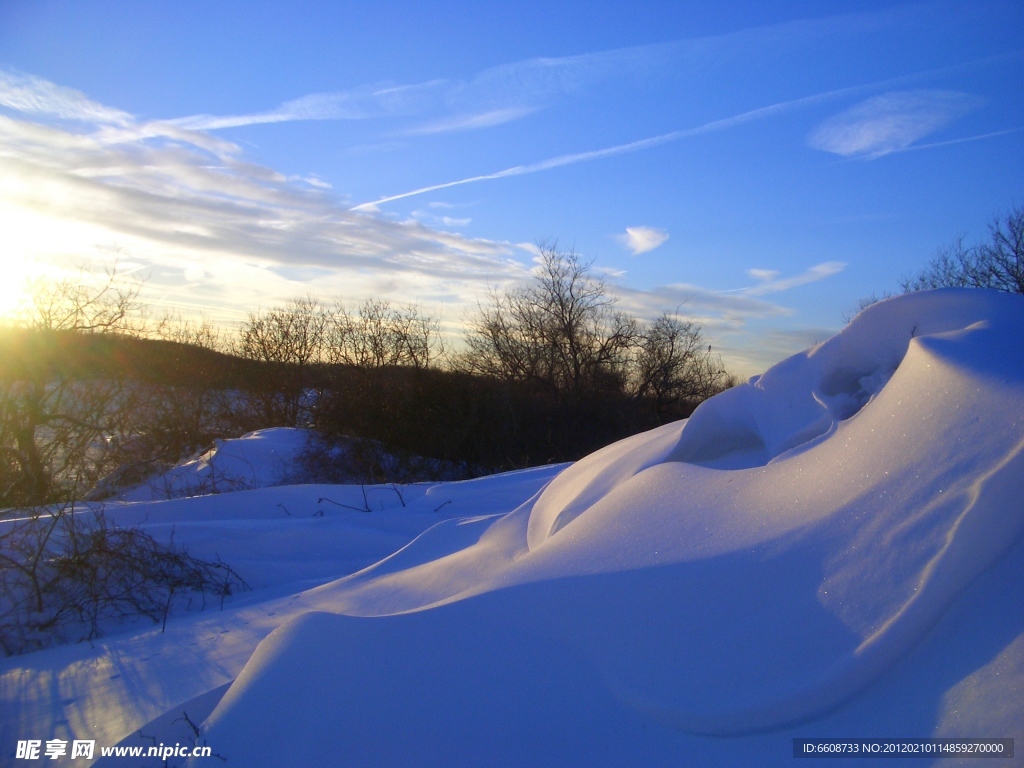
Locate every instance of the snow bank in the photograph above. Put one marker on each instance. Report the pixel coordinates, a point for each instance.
(257, 459)
(284, 541)
(759, 565)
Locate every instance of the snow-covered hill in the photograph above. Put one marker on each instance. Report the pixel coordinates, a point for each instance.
(831, 550)
(260, 459)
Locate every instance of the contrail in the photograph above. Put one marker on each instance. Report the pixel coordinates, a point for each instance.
(620, 149)
(665, 138)
(915, 147)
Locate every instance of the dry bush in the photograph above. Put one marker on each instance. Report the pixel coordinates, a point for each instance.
(997, 264)
(68, 574)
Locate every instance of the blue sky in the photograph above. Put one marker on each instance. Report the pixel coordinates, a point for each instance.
(760, 166)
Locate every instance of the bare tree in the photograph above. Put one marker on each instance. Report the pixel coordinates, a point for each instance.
(77, 306)
(199, 333)
(997, 264)
(560, 332)
(292, 334)
(674, 364)
(577, 373)
(376, 335)
(61, 425)
(289, 340)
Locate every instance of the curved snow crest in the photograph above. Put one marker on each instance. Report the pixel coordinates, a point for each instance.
(789, 408)
(753, 567)
(587, 481)
(902, 507)
(805, 396)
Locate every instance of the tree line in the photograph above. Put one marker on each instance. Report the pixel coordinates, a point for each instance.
(549, 372)
(92, 399)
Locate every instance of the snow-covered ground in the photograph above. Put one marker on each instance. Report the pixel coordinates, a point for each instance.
(833, 549)
(258, 459)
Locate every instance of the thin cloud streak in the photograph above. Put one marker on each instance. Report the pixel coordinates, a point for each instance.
(470, 122)
(520, 87)
(491, 97)
(619, 149)
(773, 284)
(376, 100)
(656, 141)
(711, 127)
(964, 140)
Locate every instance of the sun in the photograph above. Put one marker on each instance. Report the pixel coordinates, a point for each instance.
(26, 235)
(15, 277)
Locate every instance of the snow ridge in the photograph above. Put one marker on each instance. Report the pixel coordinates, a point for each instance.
(756, 566)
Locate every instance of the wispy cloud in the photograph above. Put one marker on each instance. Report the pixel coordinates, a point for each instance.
(726, 311)
(771, 346)
(491, 97)
(210, 229)
(435, 220)
(375, 100)
(770, 282)
(891, 122)
(618, 149)
(168, 198)
(470, 122)
(721, 310)
(34, 95)
(511, 91)
(742, 325)
(314, 181)
(642, 239)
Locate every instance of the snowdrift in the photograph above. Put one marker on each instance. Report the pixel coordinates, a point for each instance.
(798, 539)
(266, 457)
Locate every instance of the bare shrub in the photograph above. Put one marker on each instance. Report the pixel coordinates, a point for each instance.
(68, 574)
(288, 341)
(360, 460)
(997, 264)
(291, 334)
(199, 333)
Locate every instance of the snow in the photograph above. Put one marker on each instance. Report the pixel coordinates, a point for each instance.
(255, 460)
(833, 549)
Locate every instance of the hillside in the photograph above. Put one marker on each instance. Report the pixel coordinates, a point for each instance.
(833, 549)
(83, 355)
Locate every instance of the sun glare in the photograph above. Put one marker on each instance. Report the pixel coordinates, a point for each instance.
(14, 280)
(22, 264)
